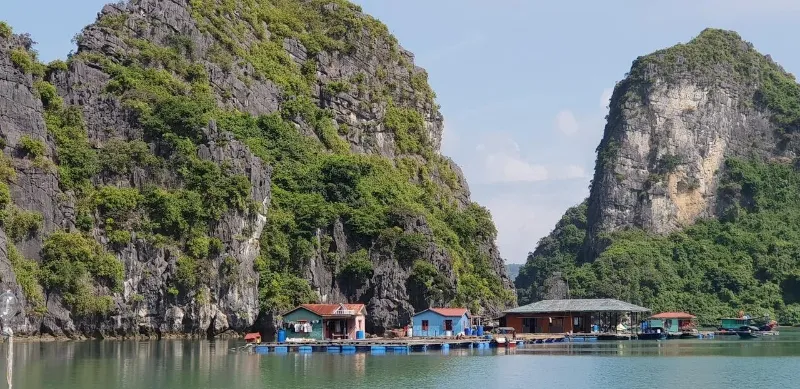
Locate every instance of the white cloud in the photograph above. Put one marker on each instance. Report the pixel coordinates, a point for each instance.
(574, 171)
(566, 122)
(522, 217)
(450, 139)
(605, 97)
(502, 167)
(501, 161)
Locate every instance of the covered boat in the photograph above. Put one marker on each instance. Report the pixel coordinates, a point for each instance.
(505, 337)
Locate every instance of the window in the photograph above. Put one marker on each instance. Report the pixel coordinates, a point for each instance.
(424, 325)
(448, 325)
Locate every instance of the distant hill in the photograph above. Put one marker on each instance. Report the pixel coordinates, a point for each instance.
(512, 269)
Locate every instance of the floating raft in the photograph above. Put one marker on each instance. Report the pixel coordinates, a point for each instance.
(376, 346)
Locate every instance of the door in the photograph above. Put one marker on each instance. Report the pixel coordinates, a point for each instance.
(557, 326)
(528, 325)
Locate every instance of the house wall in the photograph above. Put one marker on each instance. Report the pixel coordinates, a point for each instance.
(561, 322)
(436, 324)
(357, 323)
(304, 314)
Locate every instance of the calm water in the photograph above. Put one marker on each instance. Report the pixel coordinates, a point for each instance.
(715, 363)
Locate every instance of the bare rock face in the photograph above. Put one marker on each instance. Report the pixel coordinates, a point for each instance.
(673, 122)
(360, 85)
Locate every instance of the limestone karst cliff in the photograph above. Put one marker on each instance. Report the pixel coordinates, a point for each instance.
(693, 187)
(200, 166)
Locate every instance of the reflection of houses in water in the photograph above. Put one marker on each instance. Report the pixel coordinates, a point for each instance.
(325, 321)
(359, 364)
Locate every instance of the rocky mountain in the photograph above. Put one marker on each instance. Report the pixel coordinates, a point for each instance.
(197, 167)
(694, 193)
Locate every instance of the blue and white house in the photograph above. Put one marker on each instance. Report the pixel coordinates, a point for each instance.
(440, 322)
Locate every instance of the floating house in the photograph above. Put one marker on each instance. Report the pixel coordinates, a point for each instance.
(571, 316)
(669, 325)
(325, 321)
(673, 322)
(435, 322)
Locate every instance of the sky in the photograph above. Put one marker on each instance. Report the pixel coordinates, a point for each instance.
(523, 85)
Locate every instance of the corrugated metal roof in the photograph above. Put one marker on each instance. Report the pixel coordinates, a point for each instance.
(673, 315)
(330, 309)
(578, 305)
(451, 312)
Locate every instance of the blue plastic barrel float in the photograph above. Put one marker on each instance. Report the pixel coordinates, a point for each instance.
(359, 335)
(468, 331)
(281, 335)
(480, 331)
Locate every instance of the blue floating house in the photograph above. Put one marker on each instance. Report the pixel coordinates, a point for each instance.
(435, 322)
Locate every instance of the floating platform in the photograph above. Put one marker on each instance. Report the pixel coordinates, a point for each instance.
(376, 346)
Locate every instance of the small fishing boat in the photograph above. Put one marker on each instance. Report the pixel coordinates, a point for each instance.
(749, 332)
(505, 337)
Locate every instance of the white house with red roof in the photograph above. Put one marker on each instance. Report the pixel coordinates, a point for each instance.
(436, 322)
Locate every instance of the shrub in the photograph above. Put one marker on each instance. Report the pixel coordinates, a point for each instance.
(31, 147)
(411, 247)
(191, 274)
(5, 30)
(22, 224)
(56, 65)
(198, 247)
(48, 94)
(22, 60)
(5, 196)
(118, 203)
(77, 160)
(26, 272)
(119, 237)
(120, 157)
(7, 172)
(408, 127)
(79, 268)
(336, 87)
(358, 268)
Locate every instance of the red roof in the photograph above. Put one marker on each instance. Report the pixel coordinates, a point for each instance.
(451, 312)
(673, 315)
(330, 309)
(252, 336)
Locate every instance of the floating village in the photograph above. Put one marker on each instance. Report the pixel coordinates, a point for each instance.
(340, 328)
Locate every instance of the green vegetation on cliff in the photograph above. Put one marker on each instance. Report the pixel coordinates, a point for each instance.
(718, 55)
(315, 184)
(746, 260)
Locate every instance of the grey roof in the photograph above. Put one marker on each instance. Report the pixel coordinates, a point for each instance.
(578, 305)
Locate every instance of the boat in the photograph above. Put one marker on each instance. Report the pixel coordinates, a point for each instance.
(747, 327)
(750, 332)
(505, 337)
(669, 325)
